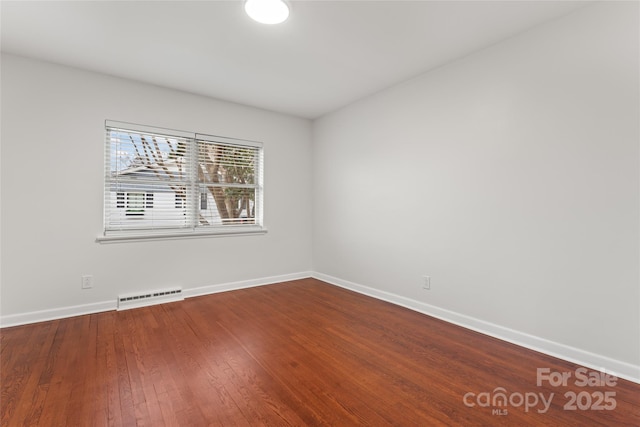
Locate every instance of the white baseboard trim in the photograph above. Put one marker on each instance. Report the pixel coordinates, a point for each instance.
(590, 360)
(232, 286)
(55, 313)
(79, 310)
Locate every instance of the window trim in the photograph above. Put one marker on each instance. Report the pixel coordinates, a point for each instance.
(186, 234)
(258, 228)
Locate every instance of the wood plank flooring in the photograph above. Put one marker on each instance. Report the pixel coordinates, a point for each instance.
(300, 353)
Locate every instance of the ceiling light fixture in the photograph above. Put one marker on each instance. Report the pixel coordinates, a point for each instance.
(267, 11)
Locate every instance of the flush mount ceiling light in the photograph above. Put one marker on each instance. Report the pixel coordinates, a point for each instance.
(267, 11)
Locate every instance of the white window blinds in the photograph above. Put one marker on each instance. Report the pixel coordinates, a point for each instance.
(172, 182)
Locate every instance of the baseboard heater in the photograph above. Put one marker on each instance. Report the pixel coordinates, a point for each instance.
(147, 298)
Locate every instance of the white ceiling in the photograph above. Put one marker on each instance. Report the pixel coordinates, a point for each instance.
(325, 56)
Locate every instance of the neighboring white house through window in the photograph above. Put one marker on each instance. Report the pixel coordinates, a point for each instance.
(134, 203)
(203, 200)
(181, 201)
(161, 182)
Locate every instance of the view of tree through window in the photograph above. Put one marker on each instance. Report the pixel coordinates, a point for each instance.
(195, 182)
(228, 174)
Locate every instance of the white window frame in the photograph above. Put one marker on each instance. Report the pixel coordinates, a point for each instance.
(192, 228)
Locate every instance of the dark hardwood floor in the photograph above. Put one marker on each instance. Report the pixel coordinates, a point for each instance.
(301, 353)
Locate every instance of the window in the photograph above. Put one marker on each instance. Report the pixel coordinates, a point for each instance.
(120, 198)
(164, 183)
(203, 200)
(181, 201)
(134, 202)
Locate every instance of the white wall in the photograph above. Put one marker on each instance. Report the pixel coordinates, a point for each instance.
(52, 157)
(511, 177)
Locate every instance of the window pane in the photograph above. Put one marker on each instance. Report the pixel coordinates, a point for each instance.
(163, 213)
(203, 201)
(227, 174)
(238, 204)
(120, 200)
(140, 156)
(135, 204)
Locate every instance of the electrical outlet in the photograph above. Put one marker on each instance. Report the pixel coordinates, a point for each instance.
(87, 282)
(426, 282)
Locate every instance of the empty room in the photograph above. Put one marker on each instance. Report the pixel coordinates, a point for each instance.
(320, 213)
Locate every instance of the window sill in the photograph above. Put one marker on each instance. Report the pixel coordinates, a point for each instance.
(174, 235)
